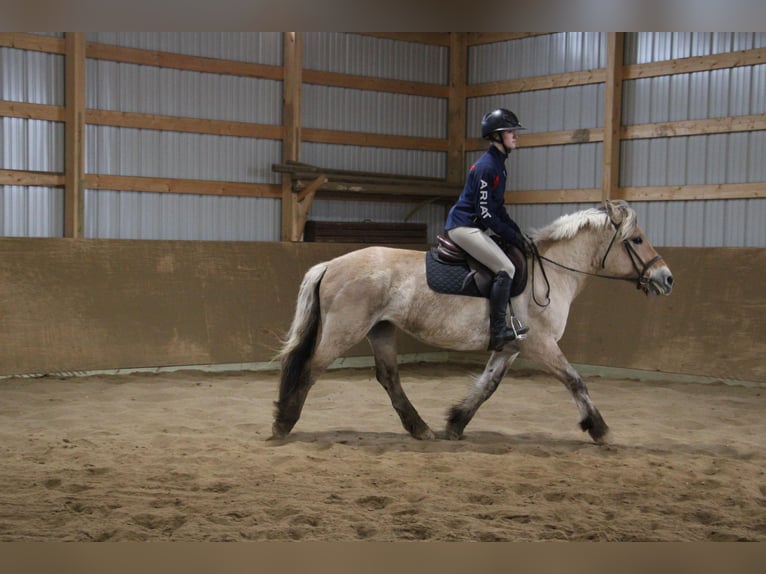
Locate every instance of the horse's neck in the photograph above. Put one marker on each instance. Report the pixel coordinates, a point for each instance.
(580, 253)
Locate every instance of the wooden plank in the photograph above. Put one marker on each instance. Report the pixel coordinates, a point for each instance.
(694, 192)
(300, 168)
(532, 139)
(160, 59)
(181, 124)
(648, 193)
(433, 38)
(375, 84)
(610, 168)
(176, 185)
(696, 64)
(32, 111)
(585, 195)
(533, 83)
(477, 38)
(695, 127)
(456, 117)
(32, 178)
(34, 42)
(74, 136)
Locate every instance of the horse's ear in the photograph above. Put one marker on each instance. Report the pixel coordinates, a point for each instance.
(614, 211)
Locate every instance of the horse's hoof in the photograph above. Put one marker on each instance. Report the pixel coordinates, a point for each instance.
(604, 439)
(452, 434)
(426, 434)
(277, 432)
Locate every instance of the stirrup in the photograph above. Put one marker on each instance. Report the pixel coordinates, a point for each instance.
(519, 330)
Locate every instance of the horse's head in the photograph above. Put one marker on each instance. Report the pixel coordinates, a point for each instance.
(637, 259)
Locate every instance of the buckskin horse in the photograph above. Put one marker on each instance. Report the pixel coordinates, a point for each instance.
(372, 291)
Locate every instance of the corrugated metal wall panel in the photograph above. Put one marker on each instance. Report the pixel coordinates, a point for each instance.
(578, 107)
(150, 90)
(130, 215)
(151, 153)
(693, 160)
(331, 108)
(31, 211)
(376, 57)
(646, 47)
(256, 47)
(33, 145)
(382, 160)
(536, 56)
(31, 77)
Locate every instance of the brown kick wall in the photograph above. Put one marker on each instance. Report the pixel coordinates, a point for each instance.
(80, 305)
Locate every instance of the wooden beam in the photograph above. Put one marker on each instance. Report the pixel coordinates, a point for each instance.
(730, 124)
(647, 193)
(533, 83)
(177, 185)
(181, 124)
(303, 201)
(291, 122)
(31, 178)
(696, 64)
(74, 137)
(432, 38)
(34, 42)
(577, 195)
(456, 117)
(477, 38)
(539, 139)
(27, 111)
(694, 192)
(610, 170)
(375, 84)
(185, 62)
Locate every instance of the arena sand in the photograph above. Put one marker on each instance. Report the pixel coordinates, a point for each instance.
(183, 457)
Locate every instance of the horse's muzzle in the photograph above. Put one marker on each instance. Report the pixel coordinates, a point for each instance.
(660, 281)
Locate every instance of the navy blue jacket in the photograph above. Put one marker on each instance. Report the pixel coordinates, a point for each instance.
(481, 203)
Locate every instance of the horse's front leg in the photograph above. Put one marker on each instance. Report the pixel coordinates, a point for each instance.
(462, 413)
(549, 354)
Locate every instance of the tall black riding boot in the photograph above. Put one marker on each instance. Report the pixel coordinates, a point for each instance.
(499, 299)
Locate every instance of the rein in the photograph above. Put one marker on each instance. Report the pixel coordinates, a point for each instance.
(641, 279)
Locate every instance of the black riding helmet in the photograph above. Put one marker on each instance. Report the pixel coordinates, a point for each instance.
(499, 120)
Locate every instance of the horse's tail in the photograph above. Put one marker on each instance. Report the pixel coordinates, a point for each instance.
(298, 349)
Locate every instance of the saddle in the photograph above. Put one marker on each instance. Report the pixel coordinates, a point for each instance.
(451, 270)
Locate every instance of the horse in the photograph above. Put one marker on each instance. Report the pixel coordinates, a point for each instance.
(373, 291)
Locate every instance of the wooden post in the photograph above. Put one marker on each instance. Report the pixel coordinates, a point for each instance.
(458, 65)
(74, 141)
(610, 180)
(291, 139)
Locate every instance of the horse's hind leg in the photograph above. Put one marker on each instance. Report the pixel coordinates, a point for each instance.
(461, 414)
(382, 338)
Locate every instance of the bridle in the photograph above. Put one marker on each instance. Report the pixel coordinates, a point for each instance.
(640, 266)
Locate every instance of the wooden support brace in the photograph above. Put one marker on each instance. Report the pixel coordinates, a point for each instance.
(302, 206)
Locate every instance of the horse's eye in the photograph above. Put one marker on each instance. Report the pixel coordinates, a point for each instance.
(637, 240)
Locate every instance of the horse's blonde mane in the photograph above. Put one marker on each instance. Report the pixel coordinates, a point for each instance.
(570, 224)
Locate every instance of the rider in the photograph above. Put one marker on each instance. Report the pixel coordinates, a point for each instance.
(480, 212)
